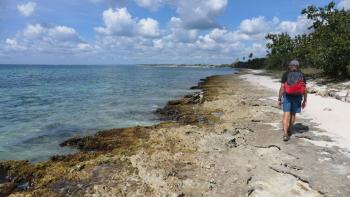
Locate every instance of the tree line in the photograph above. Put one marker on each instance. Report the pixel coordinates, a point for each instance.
(327, 47)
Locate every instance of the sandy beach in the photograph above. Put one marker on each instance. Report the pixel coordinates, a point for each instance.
(331, 115)
(224, 141)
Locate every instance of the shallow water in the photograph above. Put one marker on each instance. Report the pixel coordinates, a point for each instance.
(41, 106)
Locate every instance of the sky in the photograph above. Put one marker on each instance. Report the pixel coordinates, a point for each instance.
(145, 31)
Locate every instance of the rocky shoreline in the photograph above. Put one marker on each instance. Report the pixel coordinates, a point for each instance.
(223, 141)
(44, 178)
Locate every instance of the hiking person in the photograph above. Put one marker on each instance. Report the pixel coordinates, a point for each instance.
(292, 96)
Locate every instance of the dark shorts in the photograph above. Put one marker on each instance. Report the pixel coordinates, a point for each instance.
(292, 103)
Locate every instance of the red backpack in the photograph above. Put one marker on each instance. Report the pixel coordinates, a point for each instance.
(297, 89)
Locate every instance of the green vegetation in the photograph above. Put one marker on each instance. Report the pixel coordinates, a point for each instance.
(327, 47)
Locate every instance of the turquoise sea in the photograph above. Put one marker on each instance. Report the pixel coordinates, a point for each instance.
(41, 106)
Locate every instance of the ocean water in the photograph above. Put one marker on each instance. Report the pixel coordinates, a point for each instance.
(41, 106)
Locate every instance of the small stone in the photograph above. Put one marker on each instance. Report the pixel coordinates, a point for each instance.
(232, 143)
(224, 170)
(256, 120)
(188, 132)
(79, 167)
(235, 180)
(181, 195)
(173, 173)
(338, 97)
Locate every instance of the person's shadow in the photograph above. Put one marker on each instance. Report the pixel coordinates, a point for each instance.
(300, 128)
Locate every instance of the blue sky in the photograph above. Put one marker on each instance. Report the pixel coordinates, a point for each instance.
(144, 31)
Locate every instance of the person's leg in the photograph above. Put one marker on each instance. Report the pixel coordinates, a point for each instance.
(291, 122)
(286, 117)
(286, 122)
(295, 108)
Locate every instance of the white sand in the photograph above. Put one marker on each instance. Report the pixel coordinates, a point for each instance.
(336, 122)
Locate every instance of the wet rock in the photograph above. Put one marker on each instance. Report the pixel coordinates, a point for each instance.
(183, 112)
(20, 173)
(175, 102)
(6, 188)
(3, 174)
(109, 139)
(23, 186)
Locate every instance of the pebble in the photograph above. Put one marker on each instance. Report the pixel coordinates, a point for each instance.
(256, 120)
(226, 171)
(232, 143)
(212, 182)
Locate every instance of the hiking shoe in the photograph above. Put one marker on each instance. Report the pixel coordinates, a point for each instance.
(285, 138)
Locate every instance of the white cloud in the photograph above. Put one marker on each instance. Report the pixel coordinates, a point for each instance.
(58, 33)
(63, 33)
(254, 26)
(120, 22)
(148, 27)
(37, 38)
(159, 44)
(26, 9)
(195, 14)
(199, 14)
(149, 43)
(125, 37)
(117, 22)
(12, 44)
(344, 4)
(299, 26)
(178, 33)
(33, 30)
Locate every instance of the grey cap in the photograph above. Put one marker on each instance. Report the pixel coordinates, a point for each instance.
(294, 63)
